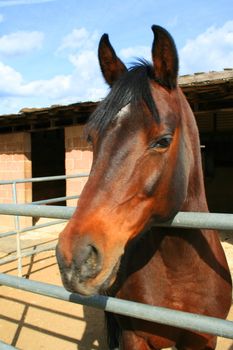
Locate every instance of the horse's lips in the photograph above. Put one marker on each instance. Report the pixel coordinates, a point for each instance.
(72, 282)
(111, 278)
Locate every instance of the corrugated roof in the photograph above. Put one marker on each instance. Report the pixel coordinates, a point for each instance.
(204, 91)
(198, 79)
(29, 119)
(185, 81)
(54, 109)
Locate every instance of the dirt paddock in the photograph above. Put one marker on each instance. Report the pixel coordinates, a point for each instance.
(30, 321)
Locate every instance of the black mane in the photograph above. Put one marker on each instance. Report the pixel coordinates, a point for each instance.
(132, 87)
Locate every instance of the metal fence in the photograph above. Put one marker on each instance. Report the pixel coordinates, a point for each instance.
(4, 346)
(161, 315)
(14, 183)
(203, 220)
(17, 231)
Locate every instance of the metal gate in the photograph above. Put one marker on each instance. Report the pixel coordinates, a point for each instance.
(161, 315)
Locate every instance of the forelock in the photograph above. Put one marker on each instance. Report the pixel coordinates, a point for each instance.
(132, 87)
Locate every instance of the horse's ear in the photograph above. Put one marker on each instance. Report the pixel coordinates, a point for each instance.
(165, 57)
(111, 66)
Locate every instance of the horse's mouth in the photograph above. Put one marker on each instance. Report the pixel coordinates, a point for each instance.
(74, 283)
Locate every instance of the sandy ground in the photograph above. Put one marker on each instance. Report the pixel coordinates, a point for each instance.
(30, 321)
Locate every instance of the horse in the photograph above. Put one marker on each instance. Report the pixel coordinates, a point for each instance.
(146, 168)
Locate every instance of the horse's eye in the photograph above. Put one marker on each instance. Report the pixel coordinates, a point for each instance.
(162, 143)
(89, 139)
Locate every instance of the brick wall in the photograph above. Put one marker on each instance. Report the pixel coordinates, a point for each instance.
(78, 159)
(15, 163)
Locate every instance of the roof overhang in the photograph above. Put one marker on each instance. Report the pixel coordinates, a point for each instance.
(209, 94)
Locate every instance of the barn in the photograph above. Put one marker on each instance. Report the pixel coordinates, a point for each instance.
(211, 98)
(50, 141)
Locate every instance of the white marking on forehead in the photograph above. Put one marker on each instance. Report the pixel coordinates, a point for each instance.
(123, 112)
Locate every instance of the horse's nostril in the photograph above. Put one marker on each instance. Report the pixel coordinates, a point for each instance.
(90, 263)
(92, 257)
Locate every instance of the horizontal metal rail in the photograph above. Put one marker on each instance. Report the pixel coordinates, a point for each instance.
(28, 252)
(43, 179)
(54, 212)
(44, 201)
(199, 323)
(4, 346)
(55, 200)
(181, 219)
(14, 184)
(31, 228)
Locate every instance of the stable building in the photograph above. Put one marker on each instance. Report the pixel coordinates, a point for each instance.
(50, 141)
(211, 98)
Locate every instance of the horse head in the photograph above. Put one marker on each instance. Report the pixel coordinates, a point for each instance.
(145, 169)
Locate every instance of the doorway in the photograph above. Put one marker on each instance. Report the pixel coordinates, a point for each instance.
(48, 159)
(218, 169)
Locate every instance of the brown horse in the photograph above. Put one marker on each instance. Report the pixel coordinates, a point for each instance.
(146, 168)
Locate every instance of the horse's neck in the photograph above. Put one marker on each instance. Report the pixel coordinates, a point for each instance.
(196, 198)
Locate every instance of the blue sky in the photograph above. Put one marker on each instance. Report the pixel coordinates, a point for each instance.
(48, 48)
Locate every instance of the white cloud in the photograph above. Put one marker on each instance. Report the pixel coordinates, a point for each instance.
(87, 81)
(78, 39)
(10, 80)
(10, 105)
(85, 63)
(136, 52)
(13, 85)
(6, 3)
(83, 83)
(211, 50)
(20, 42)
(54, 88)
(172, 22)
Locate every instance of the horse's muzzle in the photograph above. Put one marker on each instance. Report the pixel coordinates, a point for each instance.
(84, 267)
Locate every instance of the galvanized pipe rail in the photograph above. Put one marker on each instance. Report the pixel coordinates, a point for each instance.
(43, 179)
(182, 219)
(29, 252)
(48, 211)
(31, 228)
(201, 220)
(181, 319)
(18, 230)
(161, 315)
(4, 346)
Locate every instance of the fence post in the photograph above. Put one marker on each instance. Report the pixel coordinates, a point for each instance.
(17, 229)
